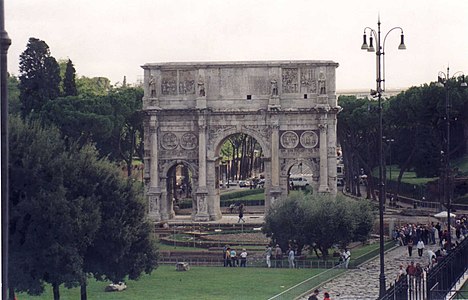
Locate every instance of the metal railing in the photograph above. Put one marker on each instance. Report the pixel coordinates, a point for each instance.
(446, 273)
(436, 283)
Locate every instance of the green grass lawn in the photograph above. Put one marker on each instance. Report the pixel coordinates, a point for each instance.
(198, 283)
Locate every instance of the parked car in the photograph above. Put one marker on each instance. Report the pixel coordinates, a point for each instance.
(244, 183)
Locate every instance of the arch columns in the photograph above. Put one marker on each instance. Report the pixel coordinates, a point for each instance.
(202, 191)
(323, 186)
(154, 190)
(274, 192)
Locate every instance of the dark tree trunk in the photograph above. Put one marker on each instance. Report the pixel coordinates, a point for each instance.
(56, 291)
(11, 293)
(83, 293)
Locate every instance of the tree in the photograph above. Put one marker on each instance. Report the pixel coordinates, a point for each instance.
(127, 136)
(357, 135)
(124, 245)
(71, 214)
(39, 76)
(82, 119)
(319, 221)
(95, 86)
(50, 222)
(69, 84)
(14, 104)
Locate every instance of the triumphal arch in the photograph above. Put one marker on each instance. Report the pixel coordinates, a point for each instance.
(289, 107)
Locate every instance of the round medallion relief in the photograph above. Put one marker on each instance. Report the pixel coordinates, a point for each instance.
(188, 141)
(169, 141)
(309, 139)
(289, 139)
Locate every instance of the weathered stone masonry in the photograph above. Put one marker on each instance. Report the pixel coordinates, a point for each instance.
(289, 107)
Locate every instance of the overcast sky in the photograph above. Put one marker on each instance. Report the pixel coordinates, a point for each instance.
(113, 38)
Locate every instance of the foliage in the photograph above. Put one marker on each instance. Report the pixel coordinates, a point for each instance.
(240, 194)
(39, 76)
(67, 208)
(357, 134)
(69, 84)
(94, 86)
(14, 104)
(81, 119)
(318, 221)
(127, 138)
(49, 223)
(416, 122)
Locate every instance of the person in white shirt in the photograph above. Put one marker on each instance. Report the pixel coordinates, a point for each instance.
(420, 247)
(346, 257)
(243, 258)
(291, 257)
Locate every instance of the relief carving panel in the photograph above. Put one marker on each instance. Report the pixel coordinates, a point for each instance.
(186, 82)
(289, 139)
(290, 80)
(169, 141)
(309, 139)
(169, 82)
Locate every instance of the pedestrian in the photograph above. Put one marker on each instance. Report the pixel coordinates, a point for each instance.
(228, 257)
(241, 213)
(431, 255)
(411, 271)
(278, 255)
(314, 296)
(418, 275)
(326, 296)
(410, 247)
(234, 258)
(224, 254)
(346, 257)
(401, 273)
(420, 247)
(291, 258)
(243, 258)
(268, 251)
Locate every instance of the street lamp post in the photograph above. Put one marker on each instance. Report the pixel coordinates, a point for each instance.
(390, 142)
(5, 43)
(380, 61)
(443, 80)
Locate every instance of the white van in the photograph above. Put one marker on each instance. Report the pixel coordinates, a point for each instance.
(296, 183)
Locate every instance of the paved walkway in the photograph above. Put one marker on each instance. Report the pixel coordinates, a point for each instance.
(363, 283)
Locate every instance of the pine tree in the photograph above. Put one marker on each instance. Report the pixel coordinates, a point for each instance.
(39, 77)
(69, 84)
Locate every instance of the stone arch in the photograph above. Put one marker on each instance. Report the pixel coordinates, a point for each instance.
(165, 195)
(312, 163)
(274, 102)
(219, 139)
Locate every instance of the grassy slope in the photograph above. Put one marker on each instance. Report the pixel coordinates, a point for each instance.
(198, 283)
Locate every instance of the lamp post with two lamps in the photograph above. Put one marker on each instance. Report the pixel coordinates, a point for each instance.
(443, 81)
(380, 62)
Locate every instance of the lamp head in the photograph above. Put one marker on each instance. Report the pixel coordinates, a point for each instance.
(463, 84)
(371, 46)
(364, 43)
(402, 43)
